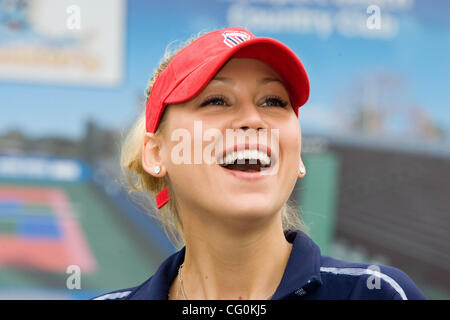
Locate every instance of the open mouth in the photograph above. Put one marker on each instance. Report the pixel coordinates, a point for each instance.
(248, 166)
(247, 161)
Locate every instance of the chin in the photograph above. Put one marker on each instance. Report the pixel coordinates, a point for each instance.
(252, 206)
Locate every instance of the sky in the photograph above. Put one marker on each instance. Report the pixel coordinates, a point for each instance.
(418, 54)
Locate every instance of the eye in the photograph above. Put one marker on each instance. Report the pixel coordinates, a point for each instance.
(274, 101)
(215, 101)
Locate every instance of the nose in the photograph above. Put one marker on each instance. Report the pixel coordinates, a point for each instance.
(248, 117)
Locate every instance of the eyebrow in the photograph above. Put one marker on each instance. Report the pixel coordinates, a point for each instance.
(262, 81)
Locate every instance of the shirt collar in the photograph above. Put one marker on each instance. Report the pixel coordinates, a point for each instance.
(301, 273)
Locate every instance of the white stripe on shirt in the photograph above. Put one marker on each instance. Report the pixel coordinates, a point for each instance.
(115, 295)
(361, 271)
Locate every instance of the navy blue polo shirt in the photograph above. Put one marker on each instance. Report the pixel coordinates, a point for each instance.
(308, 275)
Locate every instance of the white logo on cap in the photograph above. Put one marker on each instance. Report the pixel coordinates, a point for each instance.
(233, 38)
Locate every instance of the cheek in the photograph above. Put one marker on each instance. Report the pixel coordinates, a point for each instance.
(182, 154)
(290, 141)
(178, 136)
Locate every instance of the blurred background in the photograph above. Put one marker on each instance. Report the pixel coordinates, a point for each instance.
(376, 133)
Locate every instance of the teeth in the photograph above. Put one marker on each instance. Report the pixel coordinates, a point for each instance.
(251, 155)
(265, 160)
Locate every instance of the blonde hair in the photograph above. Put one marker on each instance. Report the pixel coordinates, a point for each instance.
(145, 186)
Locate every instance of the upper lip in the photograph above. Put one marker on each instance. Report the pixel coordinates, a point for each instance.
(247, 146)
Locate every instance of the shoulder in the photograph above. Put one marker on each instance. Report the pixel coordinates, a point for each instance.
(122, 294)
(115, 295)
(364, 281)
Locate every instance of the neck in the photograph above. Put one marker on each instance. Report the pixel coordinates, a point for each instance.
(228, 263)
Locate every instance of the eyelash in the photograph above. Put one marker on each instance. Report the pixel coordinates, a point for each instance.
(282, 103)
(209, 101)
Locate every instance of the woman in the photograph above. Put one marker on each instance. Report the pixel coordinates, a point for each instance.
(219, 146)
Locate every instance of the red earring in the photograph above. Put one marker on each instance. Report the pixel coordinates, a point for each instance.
(162, 197)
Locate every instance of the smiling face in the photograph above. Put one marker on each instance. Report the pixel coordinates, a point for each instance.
(246, 95)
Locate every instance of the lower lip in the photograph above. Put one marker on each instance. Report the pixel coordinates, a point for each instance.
(249, 176)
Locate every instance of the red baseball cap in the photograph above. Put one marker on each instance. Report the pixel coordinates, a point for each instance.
(195, 65)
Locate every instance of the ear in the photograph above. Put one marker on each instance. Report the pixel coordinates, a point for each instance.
(301, 169)
(150, 156)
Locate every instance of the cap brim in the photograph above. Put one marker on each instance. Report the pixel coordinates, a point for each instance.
(277, 55)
